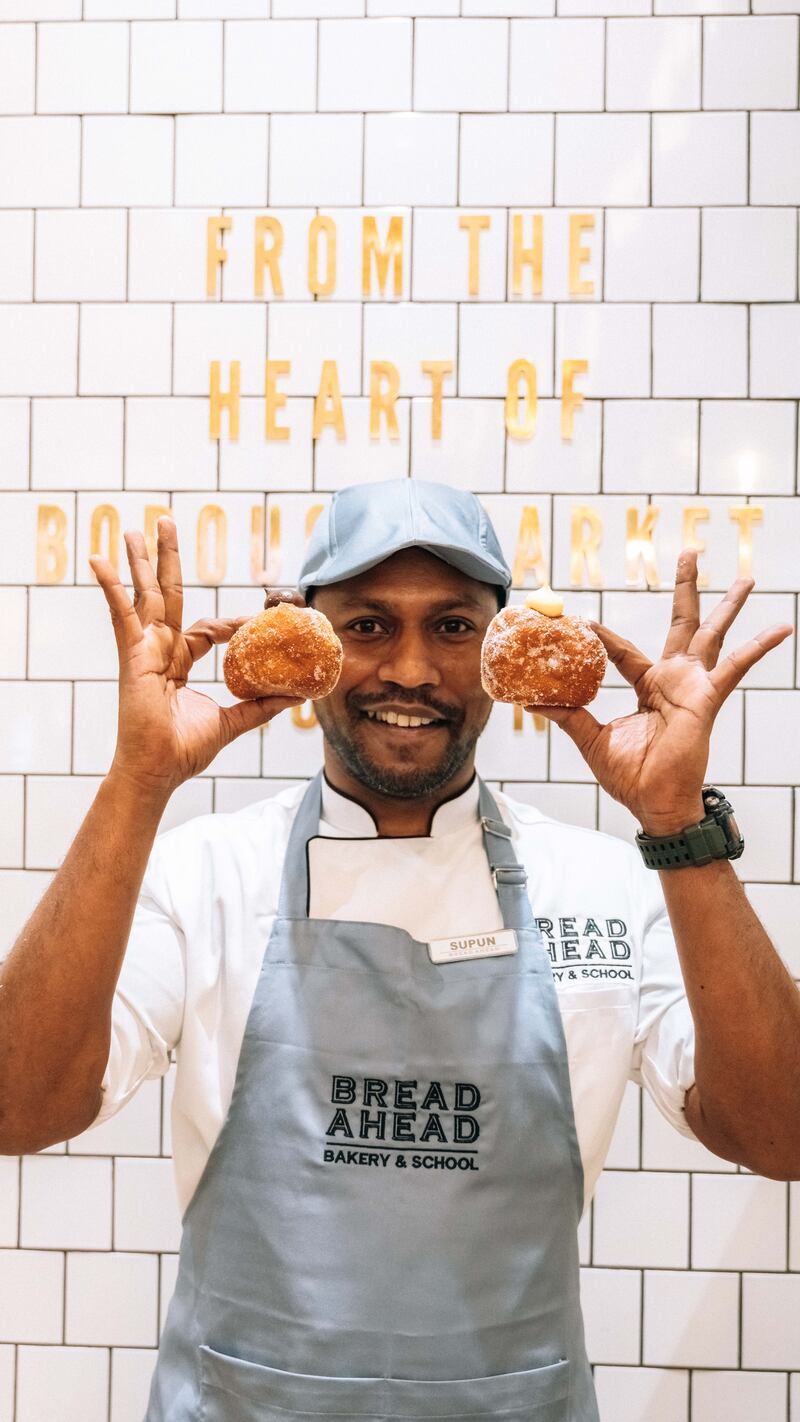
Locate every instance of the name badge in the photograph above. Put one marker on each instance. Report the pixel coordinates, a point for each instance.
(479, 945)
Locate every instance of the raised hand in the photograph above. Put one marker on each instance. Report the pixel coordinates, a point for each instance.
(654, 761)
(167, 732)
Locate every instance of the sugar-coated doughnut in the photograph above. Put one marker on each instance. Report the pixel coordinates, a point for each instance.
(533, 660)
(283, 651)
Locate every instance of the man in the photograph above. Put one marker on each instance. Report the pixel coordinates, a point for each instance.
(399, 1063)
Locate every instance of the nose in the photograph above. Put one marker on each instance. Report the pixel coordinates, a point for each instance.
(409, 662)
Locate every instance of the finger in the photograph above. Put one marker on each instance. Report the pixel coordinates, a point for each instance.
(629, 661)
(272, 596)
(246, 715)
(707, 640)
(126, 624)
(168, 572)
(685, 605)
(736, 665)
(209, 632)
(579, 724)
(148, 602)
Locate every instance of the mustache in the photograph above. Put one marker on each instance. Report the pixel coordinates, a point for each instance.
(407, 697)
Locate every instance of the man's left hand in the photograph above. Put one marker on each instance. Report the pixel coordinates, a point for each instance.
(654, 761)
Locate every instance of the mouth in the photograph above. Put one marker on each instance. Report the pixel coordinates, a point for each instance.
(403, 720)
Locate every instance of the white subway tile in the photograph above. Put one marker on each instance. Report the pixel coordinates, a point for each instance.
(14, 441)
(317, 159)
(602, 159)
(738, 1396)
(13, 630)
(441, 255)
(615, 339)
(22, 512)
(232, 560)
(604, 7)
(750, 62)
(653, 64)
(700, 350)
(223, 332)
(699, 158)
(11, 813)
(641, 1218)
(502, 749)
(22, 890)
(39, 161)
(288, 749)
(66, 1204)
(407, 332)
(794, 1225)
(76, 444)
(765, 812)
(404, 7)
(760, 611)
(38, 349)
(775, 157)
(649, 444)
(127, 161)
(556, 242)
(770, 1320)
(68, 1383)
(82, 69)
(270, 65)
(652, 254)
(192, 798)
(749, 254)
(633, 1394)
(112, 1299)
(772, 757)
(129, 9)
(738, 1222)
(131, 510)
(663, 1148)
(220, 158)
(775, 350)
(492, 336)
(146, 1214)
(40, 9)
(134, 1130)
(566, 761)
(336, 461)
(167, 444)
(131, 1374)
(80, 255)
(70, 634)
(611, 1303)
(490, 171)
(237, 281)
(56, 807)
(222, 9)
(307, 332)
(253, 462)
(324, 9)
(691, 1319)
(16, 253)
(409, 158)
(176, 67)
(125, 349)
(461, 64)
(365, 64)
(503, 8)
(17, 68)
(31, 1296)
(556, 65)
(747, 447)
(9, 1217)
(611, 510)
(774, 566)
(37, 721)
(548, 461)
(7, 1378)
(95, 733)
(574, 805)
(469, 454)
(778, 907)
(231, 795)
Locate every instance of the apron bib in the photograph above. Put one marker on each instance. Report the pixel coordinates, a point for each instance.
(386, 1227)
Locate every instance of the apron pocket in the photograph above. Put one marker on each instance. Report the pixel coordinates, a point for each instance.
(234, 1390)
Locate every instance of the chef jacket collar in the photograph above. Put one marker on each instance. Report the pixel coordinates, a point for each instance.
(342, 816)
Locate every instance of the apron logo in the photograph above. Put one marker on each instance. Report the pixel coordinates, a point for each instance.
(401, 1115)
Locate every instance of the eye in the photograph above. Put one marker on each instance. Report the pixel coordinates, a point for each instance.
(365, 626)
(454, 625)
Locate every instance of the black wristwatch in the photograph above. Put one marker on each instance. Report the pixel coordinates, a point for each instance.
(715, 837)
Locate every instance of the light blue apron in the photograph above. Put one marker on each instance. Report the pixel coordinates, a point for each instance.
(386, 1227)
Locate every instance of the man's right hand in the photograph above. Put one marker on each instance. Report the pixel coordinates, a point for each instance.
(167, 732)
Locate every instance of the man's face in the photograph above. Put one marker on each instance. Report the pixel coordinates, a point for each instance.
(412, 629)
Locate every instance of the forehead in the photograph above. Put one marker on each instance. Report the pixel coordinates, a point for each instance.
(411, 577)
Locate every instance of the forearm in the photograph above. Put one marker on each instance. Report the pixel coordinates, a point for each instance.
(746, 1011)
(57, 983)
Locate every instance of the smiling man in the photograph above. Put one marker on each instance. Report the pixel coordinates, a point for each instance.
(405, 1009)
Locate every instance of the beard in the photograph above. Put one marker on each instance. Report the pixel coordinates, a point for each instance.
(395, 781)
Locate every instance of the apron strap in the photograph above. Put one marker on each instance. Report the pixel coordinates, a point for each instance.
(293, 898)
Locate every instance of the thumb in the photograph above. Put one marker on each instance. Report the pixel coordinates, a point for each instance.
(247, 715)
(579, 724)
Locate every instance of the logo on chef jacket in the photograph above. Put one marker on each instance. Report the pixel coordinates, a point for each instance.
(586, 949)
(403, 1124)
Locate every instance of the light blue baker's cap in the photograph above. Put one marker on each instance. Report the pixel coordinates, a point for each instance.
(365, 523)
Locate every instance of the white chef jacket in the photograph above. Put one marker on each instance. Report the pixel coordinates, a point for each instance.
(210, 893)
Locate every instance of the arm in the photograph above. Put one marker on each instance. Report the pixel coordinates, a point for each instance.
(57, 983)
(745, 1006)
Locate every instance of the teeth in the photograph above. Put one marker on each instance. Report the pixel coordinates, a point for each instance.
(392, 718)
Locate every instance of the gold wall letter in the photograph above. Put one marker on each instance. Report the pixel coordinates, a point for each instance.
(275, 399)
(212, 516)
(579, 222)
(51, 544)
(437, 370)
(746, 515)
(392, 252)
(474, 224)
(215, 252)
(571, 399)
(692, 515)
(318, 225)
(529, 554)
(521, 427)
(152, 513)
(639, 545)
(105, 517)
(383, 401)
(325, 414)
(304, 717)
(269, 573)
(264, 256)
(224, 400)
(585, 537)
(521, 255)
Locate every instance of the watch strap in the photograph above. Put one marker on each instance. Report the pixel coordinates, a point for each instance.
(697, 844)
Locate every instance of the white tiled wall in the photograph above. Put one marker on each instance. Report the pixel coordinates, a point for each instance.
(673, 125)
